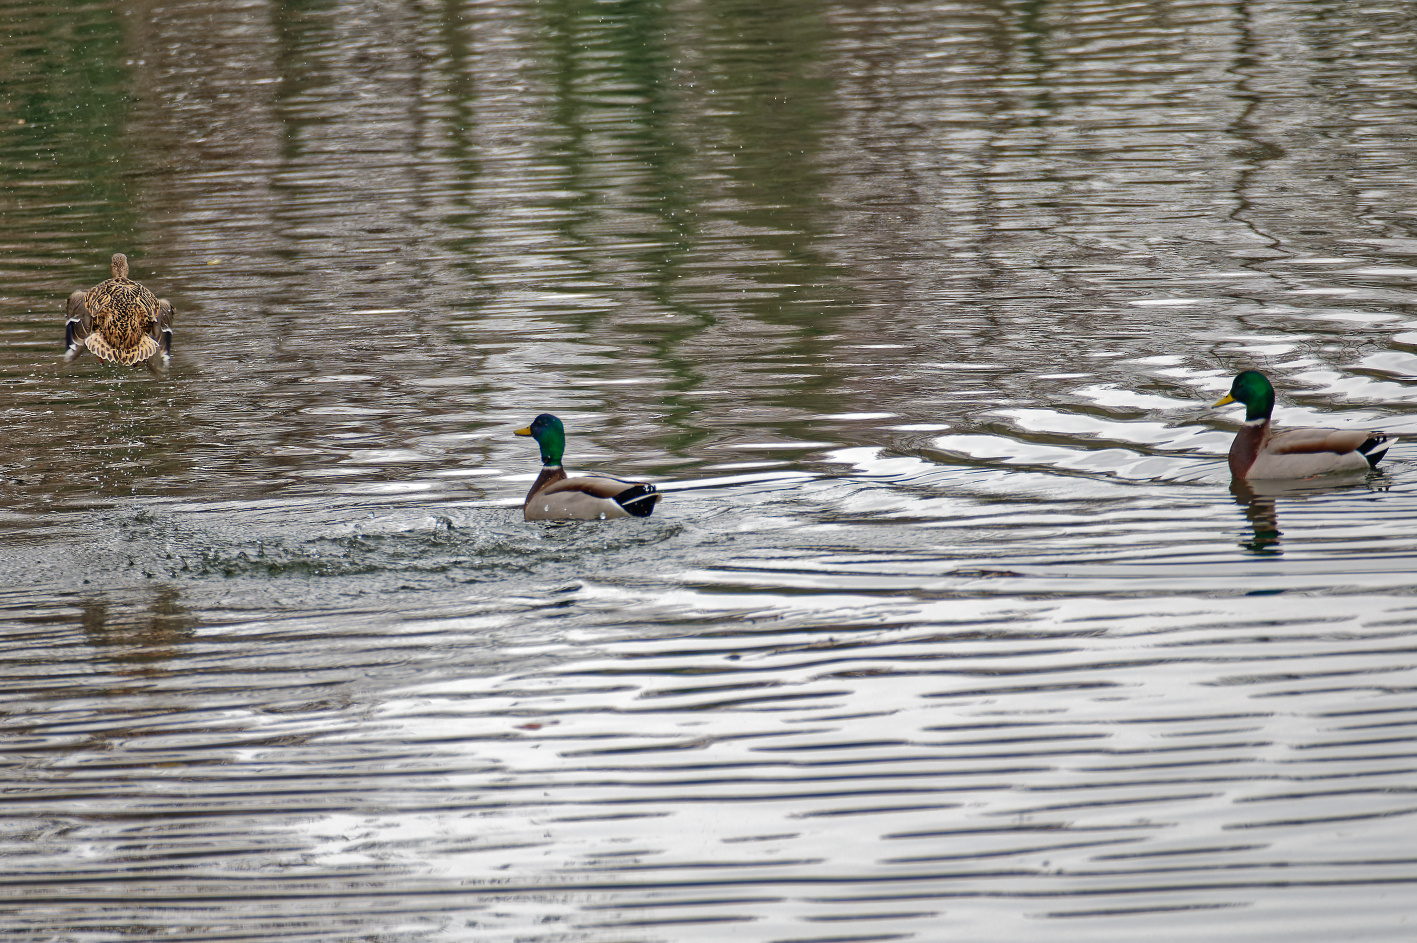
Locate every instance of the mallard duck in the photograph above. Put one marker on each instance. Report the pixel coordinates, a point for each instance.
(120, 321)
(1259, 453)
(556, 497)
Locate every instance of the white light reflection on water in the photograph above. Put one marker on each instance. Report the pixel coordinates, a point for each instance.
(1000, 719)
(950, 626)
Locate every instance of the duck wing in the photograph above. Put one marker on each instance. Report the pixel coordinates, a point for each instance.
(1306, 441)
(77, 324)
(161, 331)
(600, 486)
(145, 348)
(600, 496)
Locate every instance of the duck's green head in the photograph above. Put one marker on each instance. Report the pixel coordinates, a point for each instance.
(548, 432)
(1252, 389)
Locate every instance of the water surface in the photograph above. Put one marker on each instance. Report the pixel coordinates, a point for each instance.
(951, 624)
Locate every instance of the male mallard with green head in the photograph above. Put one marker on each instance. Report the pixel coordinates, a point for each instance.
(1260, 453)
(556, 497)
(119, 320)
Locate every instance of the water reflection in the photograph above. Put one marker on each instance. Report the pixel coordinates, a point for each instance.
(915, 309)
(141, 634)
(1263, 518)
(1261, 501)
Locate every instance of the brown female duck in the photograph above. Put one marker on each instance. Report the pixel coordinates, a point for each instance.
(120, 321)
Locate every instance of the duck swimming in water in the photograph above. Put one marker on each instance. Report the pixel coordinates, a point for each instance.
(554, 496)
(1260, 453)
(120, 321)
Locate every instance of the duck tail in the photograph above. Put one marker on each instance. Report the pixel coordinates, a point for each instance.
(147, 347)
(638, 501)
(1371, 443)
(100, 347)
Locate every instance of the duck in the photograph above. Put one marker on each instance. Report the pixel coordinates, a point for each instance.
(555, 496)
(1259, 453)
(120, 321)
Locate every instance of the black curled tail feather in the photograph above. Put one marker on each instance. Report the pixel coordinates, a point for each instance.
(1371, 443)
(638, 501)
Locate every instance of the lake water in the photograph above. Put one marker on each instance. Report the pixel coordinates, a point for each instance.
(950, 626)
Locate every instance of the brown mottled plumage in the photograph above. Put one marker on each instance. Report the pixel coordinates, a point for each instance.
(119, 320)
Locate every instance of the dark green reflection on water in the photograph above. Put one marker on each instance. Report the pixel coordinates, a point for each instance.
(768, 69)
(458, 41)
(614, 75)
(301, 28)
(691, 144)
(72, 188)
(611, 74)
(771, 74)
(67, 109)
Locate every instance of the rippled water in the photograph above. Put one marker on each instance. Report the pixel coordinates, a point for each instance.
(951, 624)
